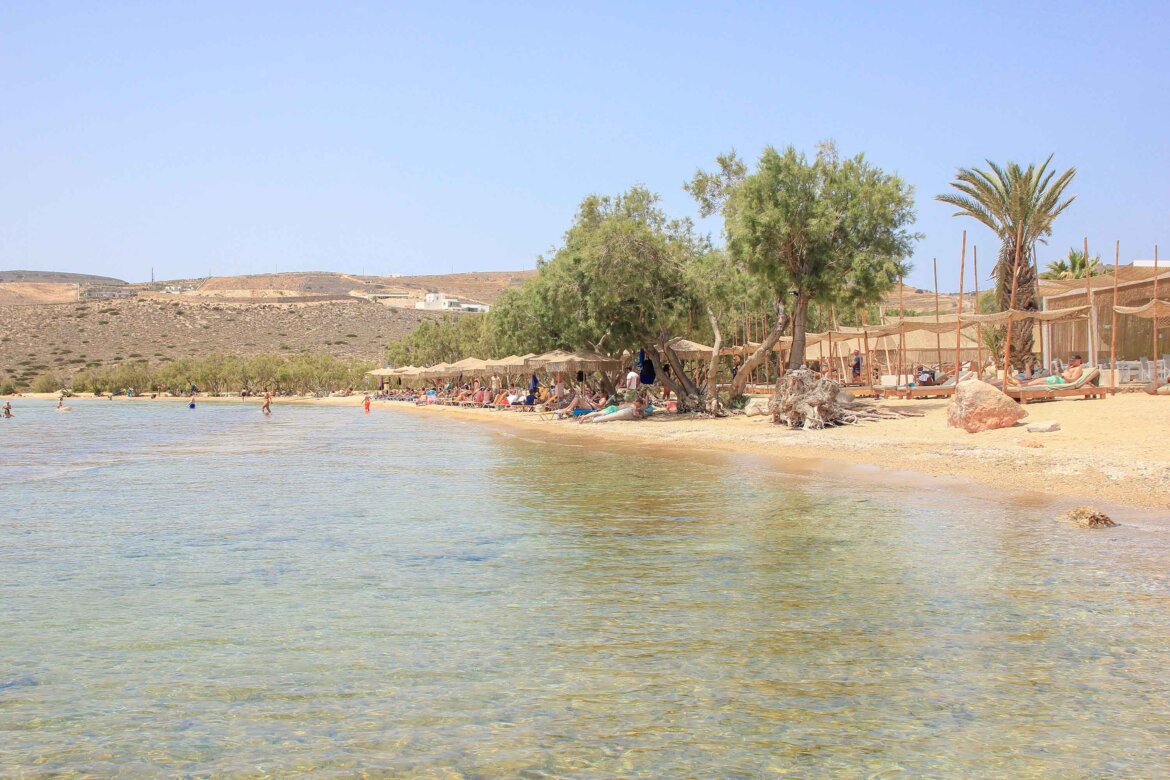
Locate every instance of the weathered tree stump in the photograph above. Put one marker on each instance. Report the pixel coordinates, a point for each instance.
(804, 401)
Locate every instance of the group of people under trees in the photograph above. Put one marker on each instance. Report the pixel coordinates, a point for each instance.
(585, 404)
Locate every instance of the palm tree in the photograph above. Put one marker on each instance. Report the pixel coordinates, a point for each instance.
(1020, 205)
(1073, 266)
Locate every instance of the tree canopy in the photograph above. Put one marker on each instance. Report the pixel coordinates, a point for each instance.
(1020, 205)
(827, 230)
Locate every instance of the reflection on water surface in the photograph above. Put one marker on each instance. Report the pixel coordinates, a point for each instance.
(211, 592)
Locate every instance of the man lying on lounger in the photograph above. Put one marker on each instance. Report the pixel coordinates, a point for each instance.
(1070, 375)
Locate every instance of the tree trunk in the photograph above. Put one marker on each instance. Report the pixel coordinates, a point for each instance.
(799, 323)
(1026, 297)
(678, 373)
(713, 365)
(655, 358)
(740, 380)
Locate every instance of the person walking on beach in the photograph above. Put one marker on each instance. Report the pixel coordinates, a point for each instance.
(266, 406)
(366, 403)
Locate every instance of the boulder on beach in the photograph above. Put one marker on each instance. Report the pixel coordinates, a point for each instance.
(1087, 517)
(1048, 426)
(758, 407)
(977, 406)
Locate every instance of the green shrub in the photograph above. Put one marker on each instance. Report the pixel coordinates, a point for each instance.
(46, 383)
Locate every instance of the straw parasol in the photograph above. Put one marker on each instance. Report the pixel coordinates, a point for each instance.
(469, 365)
(437, 371)
(742, 349)
(689, 350)
(585, 360)
(540, 361)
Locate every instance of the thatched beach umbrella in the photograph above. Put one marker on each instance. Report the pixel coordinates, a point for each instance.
(585, 360)
(540, 361)
(686, 349)
(437, 371)
(469, 365)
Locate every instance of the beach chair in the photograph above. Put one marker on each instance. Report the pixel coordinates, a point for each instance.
(1088, 386)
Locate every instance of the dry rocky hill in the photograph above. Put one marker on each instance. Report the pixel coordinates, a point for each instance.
(483, 287)
(56, 277)
(65, 338)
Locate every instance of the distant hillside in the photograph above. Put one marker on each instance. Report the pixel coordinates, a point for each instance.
(56, 277)
(481, 286)
(65, 338)
(32, 293)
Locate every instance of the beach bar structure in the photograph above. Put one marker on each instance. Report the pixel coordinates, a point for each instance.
(1134, 336)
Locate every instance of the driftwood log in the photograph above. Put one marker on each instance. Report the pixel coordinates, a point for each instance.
(803, 400)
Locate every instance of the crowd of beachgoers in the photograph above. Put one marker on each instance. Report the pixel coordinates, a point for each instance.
(632, 401)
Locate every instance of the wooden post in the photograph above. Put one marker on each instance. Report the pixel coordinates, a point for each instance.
(1089, 352)
(975, 308)
(1007, 347)
(901, 335)
(958, 324)
(1113, 335)
(1155, 320)
(937, 335)
(1036, 271)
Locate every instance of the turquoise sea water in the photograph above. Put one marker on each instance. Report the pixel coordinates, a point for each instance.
(212, 593)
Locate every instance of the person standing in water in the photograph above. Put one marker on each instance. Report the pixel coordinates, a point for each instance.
(266, 407)
(8, 409)
(366, 403)
(191, 401)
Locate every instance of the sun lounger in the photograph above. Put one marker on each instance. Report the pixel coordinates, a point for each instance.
(1087, 386)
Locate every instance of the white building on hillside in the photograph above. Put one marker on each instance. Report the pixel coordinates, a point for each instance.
(442, 302)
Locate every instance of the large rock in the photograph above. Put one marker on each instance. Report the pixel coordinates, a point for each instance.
(758, 407)
(1087, 517)
(977, 406)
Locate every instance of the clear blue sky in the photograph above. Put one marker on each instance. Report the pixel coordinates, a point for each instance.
(245, 137)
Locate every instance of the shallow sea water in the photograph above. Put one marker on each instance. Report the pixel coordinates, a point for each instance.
(211, 593)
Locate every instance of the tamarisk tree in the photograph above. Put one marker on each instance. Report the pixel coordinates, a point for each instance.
(830, 230)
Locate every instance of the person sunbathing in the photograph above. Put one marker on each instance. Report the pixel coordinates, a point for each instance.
(1067, 377)
(634, 411)
(580, 404)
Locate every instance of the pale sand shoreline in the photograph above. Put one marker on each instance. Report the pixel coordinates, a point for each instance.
(1108, 452)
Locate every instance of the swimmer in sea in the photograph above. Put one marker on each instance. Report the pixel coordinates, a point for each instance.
(266, 407)
(366, 403)
(8, 409)
(61, 407)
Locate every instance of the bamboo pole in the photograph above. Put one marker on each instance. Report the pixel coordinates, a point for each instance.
(901, 334)
(958, 324)
(975, 308)
(1089, 351)
(1113, 334)
(1155, 320)
(1007, 347)
(1036, 271)
(937, 335)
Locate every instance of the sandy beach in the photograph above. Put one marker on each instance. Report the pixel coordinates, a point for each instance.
(1108, 452)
